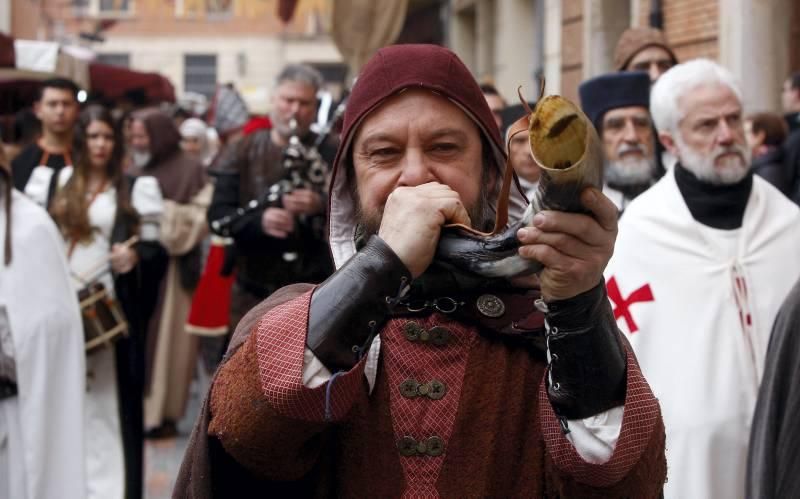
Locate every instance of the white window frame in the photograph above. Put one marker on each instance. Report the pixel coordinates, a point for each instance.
(94, 10)
(216, 58)
(180, 12)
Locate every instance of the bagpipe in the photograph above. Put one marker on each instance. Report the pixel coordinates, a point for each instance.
(304, 168)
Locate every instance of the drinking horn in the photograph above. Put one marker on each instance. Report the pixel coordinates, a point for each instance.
(566, 147)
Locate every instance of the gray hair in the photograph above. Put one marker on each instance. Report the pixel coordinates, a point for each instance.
(679, 80)
(300, 73)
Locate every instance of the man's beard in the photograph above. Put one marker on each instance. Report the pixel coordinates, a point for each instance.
(285, 130)
(140, 159)
(732, 169)
(631, 170)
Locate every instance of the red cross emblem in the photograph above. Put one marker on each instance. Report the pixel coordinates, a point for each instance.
(622, 305)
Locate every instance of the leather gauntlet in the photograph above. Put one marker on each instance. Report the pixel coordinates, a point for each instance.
(350, 307)
(586, 359)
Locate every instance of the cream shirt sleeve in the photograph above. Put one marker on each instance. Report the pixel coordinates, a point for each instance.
(148, 202)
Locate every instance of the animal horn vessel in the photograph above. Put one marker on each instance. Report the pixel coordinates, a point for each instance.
(566, 147)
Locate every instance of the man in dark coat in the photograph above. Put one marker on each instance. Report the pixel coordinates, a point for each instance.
(790, 98)
(774, 457)
(791, 148)
(283, 243)
(618, 105)
(57, 108)
(397, 376)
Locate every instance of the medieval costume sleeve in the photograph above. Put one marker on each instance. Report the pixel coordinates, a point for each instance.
(183, 224)
(774, 455)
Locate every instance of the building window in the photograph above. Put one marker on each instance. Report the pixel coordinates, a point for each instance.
(114, 6)
(200, 74)
(119, 60)
(81, 7)
(210, 9)
(103, 8)
(219, 7)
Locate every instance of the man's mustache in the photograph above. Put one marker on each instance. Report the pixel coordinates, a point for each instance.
(629, 148)
(720, 151)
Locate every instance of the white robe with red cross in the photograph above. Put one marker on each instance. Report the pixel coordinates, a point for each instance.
(697, 304)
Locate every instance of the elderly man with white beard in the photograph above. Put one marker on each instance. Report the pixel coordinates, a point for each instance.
(703, 261)
(617, 104)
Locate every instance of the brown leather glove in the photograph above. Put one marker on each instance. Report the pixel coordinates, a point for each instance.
(350, 307)
(586, 359)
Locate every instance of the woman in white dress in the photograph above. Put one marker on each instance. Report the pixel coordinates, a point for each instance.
(97, 209)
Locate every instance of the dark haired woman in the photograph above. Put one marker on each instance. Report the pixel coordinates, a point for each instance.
(97, 208)
(765, 134)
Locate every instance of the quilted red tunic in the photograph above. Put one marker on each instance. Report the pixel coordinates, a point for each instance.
(463, 416)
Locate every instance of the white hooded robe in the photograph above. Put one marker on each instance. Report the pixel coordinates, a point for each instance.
(41, 429)
(698, 304)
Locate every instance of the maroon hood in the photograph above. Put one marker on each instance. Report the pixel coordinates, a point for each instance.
(165, 139)
(389, 71)
(436, 68)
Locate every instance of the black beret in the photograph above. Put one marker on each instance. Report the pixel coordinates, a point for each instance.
(613, 90)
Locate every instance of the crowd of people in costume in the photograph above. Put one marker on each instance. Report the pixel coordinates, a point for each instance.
(291, 262)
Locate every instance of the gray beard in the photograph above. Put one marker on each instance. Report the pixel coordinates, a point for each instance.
(140, 159)
(702, 166)
(630, 172)
(286, 132)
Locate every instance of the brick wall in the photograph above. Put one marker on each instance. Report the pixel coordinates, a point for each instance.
(160, 17)
(245, 17)
(691, 26)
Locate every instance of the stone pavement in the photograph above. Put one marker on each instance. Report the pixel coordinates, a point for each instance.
(163, 457)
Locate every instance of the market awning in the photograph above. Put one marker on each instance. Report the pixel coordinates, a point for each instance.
(25, 63)
(7, 59)
(113, 83)
(17, 91)
(51, 57)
